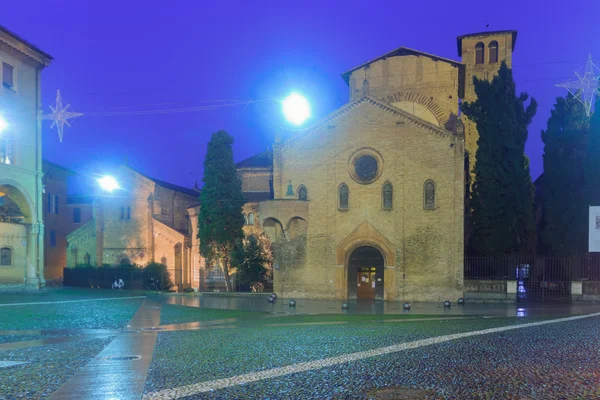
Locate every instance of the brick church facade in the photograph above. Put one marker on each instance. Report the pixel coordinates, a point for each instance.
(369, 202)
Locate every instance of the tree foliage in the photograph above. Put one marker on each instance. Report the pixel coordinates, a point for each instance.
(564, 200)
(220, 220)
(592, 161)
(252, 258)
(501, 206)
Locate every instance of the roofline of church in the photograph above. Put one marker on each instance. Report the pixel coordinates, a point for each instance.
(487, 33)
(388, 107)
(400, 51)
(57, 166)
(24, 46)
(165, 184)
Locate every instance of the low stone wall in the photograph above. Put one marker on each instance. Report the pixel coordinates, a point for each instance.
(11, 288)
(585, 291)
(489, 291)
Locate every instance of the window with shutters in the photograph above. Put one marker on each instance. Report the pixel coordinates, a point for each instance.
(479, 50)
(6, 150)
(5, 256)
(493, 52)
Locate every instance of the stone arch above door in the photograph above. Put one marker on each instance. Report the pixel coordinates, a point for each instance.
(365, 235)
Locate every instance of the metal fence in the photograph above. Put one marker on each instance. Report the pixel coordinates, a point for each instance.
(575, 268)
(539, 278)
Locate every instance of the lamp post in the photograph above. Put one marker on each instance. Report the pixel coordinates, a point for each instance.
(296, 108)
(108, 183)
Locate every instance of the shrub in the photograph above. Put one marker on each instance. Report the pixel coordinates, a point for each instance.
(160, 274)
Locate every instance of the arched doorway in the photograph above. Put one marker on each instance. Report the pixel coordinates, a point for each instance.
(365, 274)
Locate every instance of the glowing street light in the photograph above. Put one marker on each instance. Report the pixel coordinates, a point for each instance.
(3, 124)
(296, 109)
(108, 183)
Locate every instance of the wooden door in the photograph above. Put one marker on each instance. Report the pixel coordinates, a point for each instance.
(365, 283)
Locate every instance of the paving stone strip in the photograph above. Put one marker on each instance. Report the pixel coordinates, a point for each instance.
(119, 371)
(203, 387)
(70, 301)
(44, 342)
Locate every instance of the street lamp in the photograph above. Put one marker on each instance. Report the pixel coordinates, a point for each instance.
(108, 183)
(3, 124)
(296, 108)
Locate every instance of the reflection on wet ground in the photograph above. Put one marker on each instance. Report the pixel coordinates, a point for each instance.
(308, 306)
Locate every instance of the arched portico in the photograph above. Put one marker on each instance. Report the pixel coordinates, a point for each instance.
(22, 231)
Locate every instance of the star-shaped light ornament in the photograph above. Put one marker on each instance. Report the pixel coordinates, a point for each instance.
(60, 116)
(584, 87)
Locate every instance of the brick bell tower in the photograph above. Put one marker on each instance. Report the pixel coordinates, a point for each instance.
(481, 55)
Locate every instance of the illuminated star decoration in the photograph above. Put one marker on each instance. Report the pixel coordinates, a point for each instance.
(60, 116)
(585, 87)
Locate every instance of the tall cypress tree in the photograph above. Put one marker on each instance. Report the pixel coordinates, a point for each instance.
(220, 220)
(592, 161)
(501, 206)
(564, 203)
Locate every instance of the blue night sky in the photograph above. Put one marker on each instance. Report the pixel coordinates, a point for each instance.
(126, 55)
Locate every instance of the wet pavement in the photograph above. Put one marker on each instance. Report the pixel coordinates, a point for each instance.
(245, 348)
(120, 370)
(308, 306)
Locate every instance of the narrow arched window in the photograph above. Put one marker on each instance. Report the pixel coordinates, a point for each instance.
(344, 195)
(245, 219)
(6, 256)
(163, 261)
(493, 52)
(86, 259)
(125, 261)
(429, 195)
(479, 56)
(251, 219)
(302, 193)
(388, 196)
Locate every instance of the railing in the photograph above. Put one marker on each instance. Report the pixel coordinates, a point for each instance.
(534, 268)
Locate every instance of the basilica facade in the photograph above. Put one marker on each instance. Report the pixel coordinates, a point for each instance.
(368, 203)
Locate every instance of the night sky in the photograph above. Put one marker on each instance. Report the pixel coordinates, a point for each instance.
(125, 56)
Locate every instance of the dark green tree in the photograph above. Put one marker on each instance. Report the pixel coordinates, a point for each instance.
(592, 161)
(220, 220)
(564, 200)
(501, 207)
(252, 259)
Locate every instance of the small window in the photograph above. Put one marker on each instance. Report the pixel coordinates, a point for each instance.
(6, 151)
(86, 259)
(163, 261)
(493, 52)
(77, 215)
(8, 75)
(429, 195)
(52, 203)
(388, 196)
(122, 213)
(128, 213)
(245, 219)
(302, 193)
(251, 219)
(479, 49)
(344, 196)
(52, 238)
(5, 256)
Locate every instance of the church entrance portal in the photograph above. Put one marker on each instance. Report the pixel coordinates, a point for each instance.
(365, 274)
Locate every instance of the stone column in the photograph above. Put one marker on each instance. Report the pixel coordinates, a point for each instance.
(32, 280)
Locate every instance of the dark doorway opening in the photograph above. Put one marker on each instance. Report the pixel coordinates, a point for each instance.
(365, 274)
